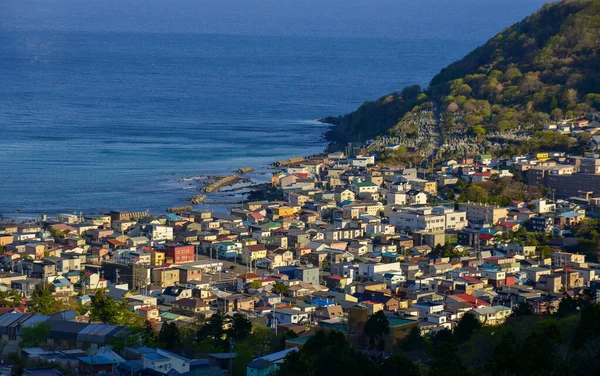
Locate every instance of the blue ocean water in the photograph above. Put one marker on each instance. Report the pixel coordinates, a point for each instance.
(107, 104)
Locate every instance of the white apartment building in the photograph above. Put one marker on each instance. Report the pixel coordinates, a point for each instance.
(565, 258)
(455, 220)
(411, 219)
(483, 213)
(161, 233)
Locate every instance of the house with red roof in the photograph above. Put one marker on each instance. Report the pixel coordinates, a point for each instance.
(509, 226)
(480, 177)
(470, 300)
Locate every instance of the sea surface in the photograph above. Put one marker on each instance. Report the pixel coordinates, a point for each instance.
(108, 104)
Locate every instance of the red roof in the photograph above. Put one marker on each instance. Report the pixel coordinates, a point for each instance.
(507, 224)
(338, 277)
(486, 173)
(486, 237)
(471, 300)
(257, 247)
(470, 279)
(248, 276)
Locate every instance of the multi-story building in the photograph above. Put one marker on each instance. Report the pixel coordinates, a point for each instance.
(179, 252)
(309, 275)
(160, 233)
(483, 214)
(564, 259)
(165, 276)
(455, 220)
(411, 219)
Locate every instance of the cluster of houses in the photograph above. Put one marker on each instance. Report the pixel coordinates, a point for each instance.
(346, 240)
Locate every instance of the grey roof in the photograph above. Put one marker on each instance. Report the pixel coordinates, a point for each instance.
(97, 333)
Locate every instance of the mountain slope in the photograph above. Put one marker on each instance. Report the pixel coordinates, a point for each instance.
(544, 68)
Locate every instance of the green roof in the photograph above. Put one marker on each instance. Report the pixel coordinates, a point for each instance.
(365, 184)
(271, 225)
(397, 321)
(169, 316)
(299, 340)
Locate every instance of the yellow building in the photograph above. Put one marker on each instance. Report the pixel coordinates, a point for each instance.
(157, 258)
(254, 252)
(542, 156)
(283, 211)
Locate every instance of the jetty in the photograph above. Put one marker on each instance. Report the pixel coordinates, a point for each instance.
(290, 162)
(227, 180)
(180, 209)
(244, 170)
(197, 199)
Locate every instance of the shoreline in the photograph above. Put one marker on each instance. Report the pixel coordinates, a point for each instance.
(194, 184)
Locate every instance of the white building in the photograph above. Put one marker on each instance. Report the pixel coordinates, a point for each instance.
(163, 361)
(411, 219)
(160, 233)
(494, 315)
(379, 229)
(370, 269)
(455, 220)
(290, 316)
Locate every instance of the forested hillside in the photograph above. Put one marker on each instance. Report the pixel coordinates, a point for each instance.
(545, 68)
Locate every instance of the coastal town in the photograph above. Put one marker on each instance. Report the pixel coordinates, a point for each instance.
(347, 241)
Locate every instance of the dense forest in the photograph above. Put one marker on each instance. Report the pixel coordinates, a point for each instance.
(545, 68)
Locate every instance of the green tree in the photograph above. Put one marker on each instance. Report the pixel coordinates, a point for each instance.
(169, 336)
(477, 193)
(56, 234)
(280, 288)
(255, 285)
(376, 328)
(35, 336)
(544, 251)
(316, 357)
(214, 330)
(149, 337)
(240, 327)
(243, 356)
(466, 327)
(104, 308)
(10, 298)
(397, 365)
(522, 309)
(43, 302)
(261, 339)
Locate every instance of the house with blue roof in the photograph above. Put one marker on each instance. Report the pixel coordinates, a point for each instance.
(228, 249)
(268, 364)
(165, 361)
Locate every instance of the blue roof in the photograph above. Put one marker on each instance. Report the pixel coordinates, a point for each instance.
(489, 231)
(570, 214)
(322, 302)
(100, 360)
(155, 356)
(173, 217)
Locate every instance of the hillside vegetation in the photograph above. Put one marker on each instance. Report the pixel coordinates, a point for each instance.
(545, 68)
